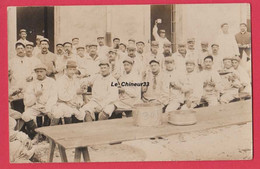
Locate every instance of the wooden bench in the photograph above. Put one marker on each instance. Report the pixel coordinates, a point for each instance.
(82, 135)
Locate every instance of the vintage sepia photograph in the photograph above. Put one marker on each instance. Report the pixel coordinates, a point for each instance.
(116, 83)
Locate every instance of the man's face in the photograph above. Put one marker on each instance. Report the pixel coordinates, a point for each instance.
(92, 50)
(169, 65)
(44, 46)
(227, 64)
(116, 43)
(128, 67)
(20, 50)
(111, 55)
(140, 47)
(191, 45)
(162, 34)
(166, 49)
(101, 41)
(208, 63)
(75, 42)
(104, 69)
(155, 67)
(81, 52)
(71, 71)
(225, 28)
(131, 52)
(59, 49)
(23, 35)
(122, 48)
(41, 74)
(182, 49)
(154, 49)
(204, 47)
(67, 48)
(215, 49)
(28, 50)
(235, 64)
(243, 28)
(190, 67)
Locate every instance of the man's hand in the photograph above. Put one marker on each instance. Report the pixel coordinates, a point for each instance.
(27, 143)
(29, 79)
(38, 93)
(121, 90)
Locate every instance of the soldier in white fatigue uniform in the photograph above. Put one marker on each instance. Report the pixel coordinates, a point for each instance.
(23, 35)
(39, 98)
(103, 94)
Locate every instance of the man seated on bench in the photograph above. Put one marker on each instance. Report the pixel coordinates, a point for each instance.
(128, 95)
(230, 81)
(39, 98)
(192, 85)
(243, 75)
(211, 82)
(70, 98)
(152, 92)
(103, 94)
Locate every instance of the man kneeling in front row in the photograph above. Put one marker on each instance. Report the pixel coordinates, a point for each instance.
(103, 95)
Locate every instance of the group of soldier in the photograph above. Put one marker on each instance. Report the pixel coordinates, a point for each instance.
(55, 84)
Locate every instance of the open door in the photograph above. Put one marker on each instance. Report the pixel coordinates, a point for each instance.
(37, 21)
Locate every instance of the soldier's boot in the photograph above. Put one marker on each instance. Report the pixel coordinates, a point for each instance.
(39, 121)
(103, 116)
(55, 121)
(67, 120)
(47, 121)
(88, 117)
(31, 126)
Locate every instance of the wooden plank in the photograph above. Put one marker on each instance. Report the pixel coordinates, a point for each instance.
(63, 155)
(110, 131)
(77, 155)
(51, 151)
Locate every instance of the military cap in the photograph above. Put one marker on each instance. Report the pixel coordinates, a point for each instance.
(115, 39)
(39, 37)
(214, 44)
(154, 60)
(40, 66)
(67, 43)
(92, 44)
(208, 57)
(223, 24)
(74, 38)
(191, 40)
(71, 63)
(129, 60)
(140, 41)
(131, 39)
(181, 44)
(45, 39)
(80, 47)
(243, 24)
(162, 31)
(169, 59)
(236, 57)
(100, 36)
(19, 43)
(104, 62)
(204, 43)
(131, 47)
(155, 43)
(190, 60)
(122, 44)
(167, 44)
(22, 30)
(59, 44)
(29, 44)
(227, 58)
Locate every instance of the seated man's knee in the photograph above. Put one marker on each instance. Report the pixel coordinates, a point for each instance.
(26, 116)
(103, 116)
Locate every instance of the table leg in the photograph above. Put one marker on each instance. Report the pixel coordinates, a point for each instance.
(77, 155)
(63, 154)
(51, 152)
(85, 154)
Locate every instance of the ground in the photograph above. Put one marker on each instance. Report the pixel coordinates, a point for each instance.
(225, 143)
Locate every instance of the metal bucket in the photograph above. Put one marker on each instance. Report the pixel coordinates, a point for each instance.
(182, 117)
(147, 114)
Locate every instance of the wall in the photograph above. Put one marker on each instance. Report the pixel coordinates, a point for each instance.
(202, 21)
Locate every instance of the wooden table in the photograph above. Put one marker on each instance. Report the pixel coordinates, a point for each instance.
(81, 135)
